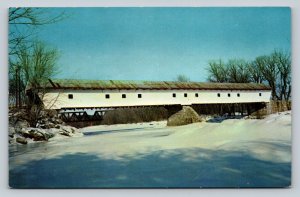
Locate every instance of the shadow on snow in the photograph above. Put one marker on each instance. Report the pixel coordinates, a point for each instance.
(191, 168)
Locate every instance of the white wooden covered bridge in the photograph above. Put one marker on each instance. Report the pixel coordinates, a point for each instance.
(98, 94)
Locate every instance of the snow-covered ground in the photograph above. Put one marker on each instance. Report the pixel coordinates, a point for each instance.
(224, 153)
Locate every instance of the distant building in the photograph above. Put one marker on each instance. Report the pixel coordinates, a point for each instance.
(67, 94)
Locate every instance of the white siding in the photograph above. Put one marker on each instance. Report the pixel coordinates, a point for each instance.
(96, 98)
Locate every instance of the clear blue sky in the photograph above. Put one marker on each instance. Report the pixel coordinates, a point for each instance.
(161, 43)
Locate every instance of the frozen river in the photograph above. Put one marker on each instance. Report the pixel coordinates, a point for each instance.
(229, 153)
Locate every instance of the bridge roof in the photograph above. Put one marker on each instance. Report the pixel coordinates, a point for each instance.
(148, 85)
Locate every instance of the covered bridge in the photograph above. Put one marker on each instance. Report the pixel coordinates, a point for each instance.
(70, 94)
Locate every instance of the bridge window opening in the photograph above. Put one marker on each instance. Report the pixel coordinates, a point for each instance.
(219, 95)
(228, 94)
(107, 96)
(139, 95)
(70, 96)
(259, 94)
(196, 95)
(174, 95)
(123, 95)
(238, 95)
(185, 94)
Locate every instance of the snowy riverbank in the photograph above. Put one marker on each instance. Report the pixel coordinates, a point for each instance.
(224, 153)
(25, 130)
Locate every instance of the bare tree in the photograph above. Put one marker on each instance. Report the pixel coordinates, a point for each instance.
(182, 78)
(283, 62)
(270, 73)
(217, 71)
(36, 65)
(22, 22)
(238, 71)
(255, 68)
(273, 69)
(22, 26)
(42, 66)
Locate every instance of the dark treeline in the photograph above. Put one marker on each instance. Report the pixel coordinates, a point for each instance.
(273, 70)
